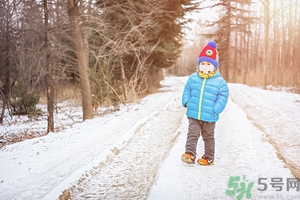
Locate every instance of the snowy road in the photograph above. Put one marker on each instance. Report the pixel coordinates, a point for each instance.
(135, 153)
(277, 114)
(130, 173)
(242, 150)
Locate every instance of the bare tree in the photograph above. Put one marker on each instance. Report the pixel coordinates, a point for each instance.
(8, 71)
(74, 7)
(49, 74)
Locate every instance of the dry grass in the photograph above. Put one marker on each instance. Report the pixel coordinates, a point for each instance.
(63, 93)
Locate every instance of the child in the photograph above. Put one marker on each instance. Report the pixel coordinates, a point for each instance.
(205, 96)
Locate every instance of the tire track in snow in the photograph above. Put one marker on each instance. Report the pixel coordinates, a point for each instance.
(97, 146)
(275, 117)
(130, 169)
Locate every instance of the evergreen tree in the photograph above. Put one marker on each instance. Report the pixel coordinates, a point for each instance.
(145, 37)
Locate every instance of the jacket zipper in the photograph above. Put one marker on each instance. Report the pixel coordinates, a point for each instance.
(200, 100)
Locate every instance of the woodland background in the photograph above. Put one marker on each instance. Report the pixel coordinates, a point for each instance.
(107, 53)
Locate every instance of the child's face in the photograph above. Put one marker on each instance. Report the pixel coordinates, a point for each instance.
(206, 63)
(206, 67)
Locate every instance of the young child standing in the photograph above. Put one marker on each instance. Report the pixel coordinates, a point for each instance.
(205, 96)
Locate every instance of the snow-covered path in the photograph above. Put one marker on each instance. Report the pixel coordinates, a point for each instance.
(242, 150)
(277, 114)
(135, 153)
(130, 173)
(41, 168)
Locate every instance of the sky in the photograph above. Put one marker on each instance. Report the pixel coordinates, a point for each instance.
(200, 19)
(134, 153)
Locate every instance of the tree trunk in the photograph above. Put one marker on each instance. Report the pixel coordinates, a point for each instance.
(5, 92)
(49, 75)
(266, 39)
(123, 79)
(82, 59)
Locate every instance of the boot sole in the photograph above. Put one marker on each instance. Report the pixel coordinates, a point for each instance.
(200, 163)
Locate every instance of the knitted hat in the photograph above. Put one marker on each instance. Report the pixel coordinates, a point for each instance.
(210, 54)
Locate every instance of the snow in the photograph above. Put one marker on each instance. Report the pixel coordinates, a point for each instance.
(134, 153)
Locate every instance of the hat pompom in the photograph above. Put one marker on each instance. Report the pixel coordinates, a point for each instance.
(212, 44)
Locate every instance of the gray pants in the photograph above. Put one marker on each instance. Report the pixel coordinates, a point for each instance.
(207, 130)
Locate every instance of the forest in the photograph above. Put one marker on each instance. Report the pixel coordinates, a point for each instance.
(108, 53)
(257, 41)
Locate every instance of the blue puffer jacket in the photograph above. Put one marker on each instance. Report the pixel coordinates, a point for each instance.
(205, 99)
